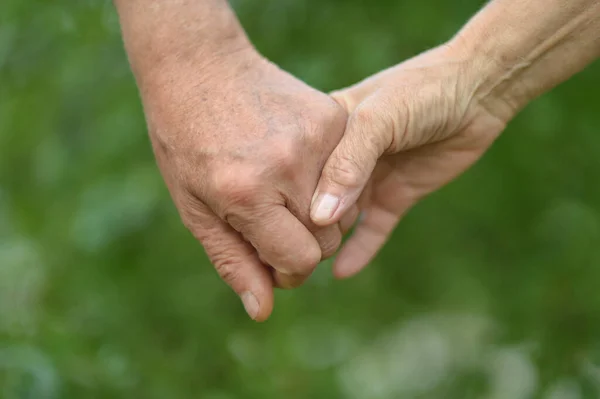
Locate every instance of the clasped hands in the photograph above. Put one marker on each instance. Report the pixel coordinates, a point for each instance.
(269, 174)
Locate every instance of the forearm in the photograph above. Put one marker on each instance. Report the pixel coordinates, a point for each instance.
(183, 33)
(523, 48)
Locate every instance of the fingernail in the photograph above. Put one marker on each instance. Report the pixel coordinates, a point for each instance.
(324, 207)
(250, 304)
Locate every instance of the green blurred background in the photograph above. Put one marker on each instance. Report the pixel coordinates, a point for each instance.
(488, 289)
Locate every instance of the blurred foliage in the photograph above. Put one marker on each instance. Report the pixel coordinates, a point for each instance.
(488, 288)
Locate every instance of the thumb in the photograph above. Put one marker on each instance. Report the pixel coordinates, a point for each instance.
(368, 135)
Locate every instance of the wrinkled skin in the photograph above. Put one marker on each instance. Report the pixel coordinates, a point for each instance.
(412, 129)
(242, 167)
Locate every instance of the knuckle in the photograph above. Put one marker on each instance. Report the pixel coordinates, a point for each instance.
(227, 269)
(345, 171)
(235, 187)
(320, 121)
(335, 115)
(328, 127)
(374, 126)
(316, 142)
(300, 262)
(246, 219)
(309, 259)
(285, 155)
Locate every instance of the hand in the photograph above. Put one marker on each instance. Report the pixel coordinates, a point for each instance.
(241, 150)
(412, 129)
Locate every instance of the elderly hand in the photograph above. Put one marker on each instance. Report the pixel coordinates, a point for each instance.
(412, 129)
(241, 154)
(240, 143)
(416, 126)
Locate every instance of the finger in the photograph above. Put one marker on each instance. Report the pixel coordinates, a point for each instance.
(280, 239)
(238, 264)
(289, 281)
(329, 239)
(349, 219)
(368, 238)
(348, 169)
(286, 281)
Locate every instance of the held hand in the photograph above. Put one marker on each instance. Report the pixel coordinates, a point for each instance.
(241, 151)
(412, 129)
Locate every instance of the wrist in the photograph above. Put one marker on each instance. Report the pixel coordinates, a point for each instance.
(520, 49)
(202, 38)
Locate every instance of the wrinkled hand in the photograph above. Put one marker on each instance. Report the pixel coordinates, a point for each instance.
(412, 129)
(241, 151)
